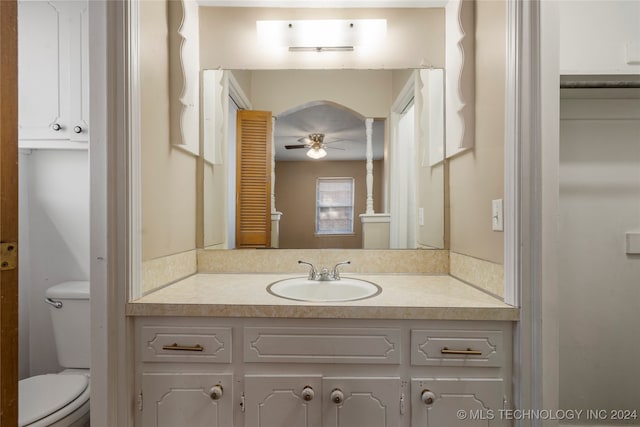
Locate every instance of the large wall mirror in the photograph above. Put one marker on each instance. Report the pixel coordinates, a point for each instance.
(376, 117)
(351, 159)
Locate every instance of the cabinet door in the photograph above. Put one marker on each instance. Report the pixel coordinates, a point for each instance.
(179, 400)
(43, 61)
(472, 402)
(277, 401)
(361, 402)
(79, 72)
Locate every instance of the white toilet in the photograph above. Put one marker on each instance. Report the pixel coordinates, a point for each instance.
(62, 399)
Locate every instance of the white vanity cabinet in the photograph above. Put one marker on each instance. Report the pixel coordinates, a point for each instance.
(177, 385)
(465, 397)
(53, 110)
(313, 400)
(256, 372)
(329, 393)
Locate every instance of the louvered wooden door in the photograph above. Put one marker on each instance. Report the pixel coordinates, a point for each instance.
(253, 182)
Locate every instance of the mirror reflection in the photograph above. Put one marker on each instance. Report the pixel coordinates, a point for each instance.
(323, 159)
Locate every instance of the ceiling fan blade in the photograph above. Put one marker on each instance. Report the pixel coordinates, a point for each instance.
(305, 139)
(341, 140)
(336, 148)
(289, 147)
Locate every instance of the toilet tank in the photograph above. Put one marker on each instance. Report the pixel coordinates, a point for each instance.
(71, 323)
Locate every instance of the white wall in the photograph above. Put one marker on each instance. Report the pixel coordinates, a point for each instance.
(54, 226)
(599, 292)
(607, 28)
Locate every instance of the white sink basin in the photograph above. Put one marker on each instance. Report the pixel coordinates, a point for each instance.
(303, 289)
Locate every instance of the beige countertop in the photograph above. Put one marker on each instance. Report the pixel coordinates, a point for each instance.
(403, 296)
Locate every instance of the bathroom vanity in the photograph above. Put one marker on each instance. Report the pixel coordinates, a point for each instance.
(219, 350)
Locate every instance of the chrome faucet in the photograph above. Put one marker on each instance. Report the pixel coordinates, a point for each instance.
(313, 273)
(324, 275)
(336, 273)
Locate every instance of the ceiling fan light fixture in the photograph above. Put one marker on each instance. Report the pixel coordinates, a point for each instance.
(317, 153)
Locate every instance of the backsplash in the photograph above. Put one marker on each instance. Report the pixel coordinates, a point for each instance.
(483, 274)
(286, 260)
(161, 271)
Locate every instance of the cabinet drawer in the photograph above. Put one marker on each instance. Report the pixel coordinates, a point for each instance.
(322, 345)
(457, 348)
(185, 344)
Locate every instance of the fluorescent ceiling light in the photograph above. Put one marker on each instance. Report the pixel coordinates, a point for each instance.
(321, 49)
(321, 34)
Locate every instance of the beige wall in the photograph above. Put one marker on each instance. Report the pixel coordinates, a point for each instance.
(296, 199)
(399, 79)
(243, 77)
(477, 176)
(415, 38)
(368, 92)
(168, 174)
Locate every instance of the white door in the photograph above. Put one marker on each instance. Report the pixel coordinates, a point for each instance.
(180, 400)
(283, 400)
(231, 174)
(598, 274)
(403, 187)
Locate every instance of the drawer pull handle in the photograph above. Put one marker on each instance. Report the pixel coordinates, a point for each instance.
(175, 346)
(468, 351)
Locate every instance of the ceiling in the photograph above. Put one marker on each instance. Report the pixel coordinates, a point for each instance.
(343, 129)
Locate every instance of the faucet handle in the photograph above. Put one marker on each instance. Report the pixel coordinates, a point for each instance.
(336, 273)
(312, 272)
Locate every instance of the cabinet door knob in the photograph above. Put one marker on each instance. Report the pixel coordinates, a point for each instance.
(307, 393)
(337, 396)
(56, 127)
(427, 397)
(215, 392)
(77, 129)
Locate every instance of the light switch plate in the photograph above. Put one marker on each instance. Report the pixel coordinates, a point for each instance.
(633, 53)
(496, 215)
(633, 242)
(420, 216)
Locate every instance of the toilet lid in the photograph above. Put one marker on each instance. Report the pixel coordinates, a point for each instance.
(42, 395)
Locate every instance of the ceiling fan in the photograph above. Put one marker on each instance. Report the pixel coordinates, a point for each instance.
(316, 145)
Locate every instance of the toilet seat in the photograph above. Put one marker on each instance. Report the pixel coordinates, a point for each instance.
(50, 397)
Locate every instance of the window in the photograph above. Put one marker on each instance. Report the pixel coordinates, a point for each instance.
(334, 206)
